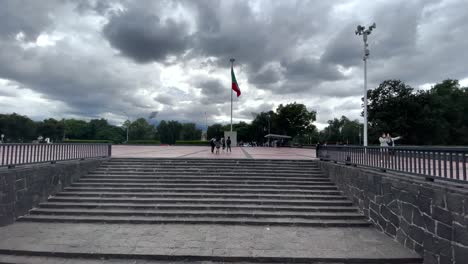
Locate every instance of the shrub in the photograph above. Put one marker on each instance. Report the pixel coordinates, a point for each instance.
(86, 141)
(144, 142)
(192, 142)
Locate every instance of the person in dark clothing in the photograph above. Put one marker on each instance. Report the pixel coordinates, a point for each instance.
(212, 143)
(228, 143)
(223, 143)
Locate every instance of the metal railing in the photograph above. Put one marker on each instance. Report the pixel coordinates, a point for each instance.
(20, 154)
(431, 162)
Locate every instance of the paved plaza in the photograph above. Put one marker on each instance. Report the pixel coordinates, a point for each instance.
(229, 241)
(135, 151)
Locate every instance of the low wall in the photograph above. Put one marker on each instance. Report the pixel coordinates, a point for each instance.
(24, 187)
(428, 217)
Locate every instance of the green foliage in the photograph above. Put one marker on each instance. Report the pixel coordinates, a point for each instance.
(438, 116)
(144, 142)
(342, 130)
(189, 131)
(17, 128)
(193, 142)
(294, 119)
(141, 129)
(169, 131)
(51, 128)
(86, 141)
(216, 131)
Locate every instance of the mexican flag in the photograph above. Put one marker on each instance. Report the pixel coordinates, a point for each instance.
(235, 86)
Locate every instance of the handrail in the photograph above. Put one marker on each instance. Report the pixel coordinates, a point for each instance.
(12, 154)
(448, 163)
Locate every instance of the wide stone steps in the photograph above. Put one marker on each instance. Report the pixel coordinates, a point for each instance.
(203, 173)
(208, 161)
(320, 186)
(332, 196)
(197, 220)
(309, 202)
(203, 177)
(201, 181)
(182, 206)
(198, 213)
(210, 168)
(325, 190)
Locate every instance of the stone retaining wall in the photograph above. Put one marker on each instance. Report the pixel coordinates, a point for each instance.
(428, 217)
(24, 187)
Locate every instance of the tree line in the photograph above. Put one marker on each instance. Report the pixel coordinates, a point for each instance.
(19, 128)
(436, 116)
(291, 119)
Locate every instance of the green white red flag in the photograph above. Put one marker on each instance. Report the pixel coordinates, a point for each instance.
(235, 86)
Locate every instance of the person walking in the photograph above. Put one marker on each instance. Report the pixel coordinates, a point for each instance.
(212, 144)
(391, 143)
(223, 143)
(228, 143)
(218, 145)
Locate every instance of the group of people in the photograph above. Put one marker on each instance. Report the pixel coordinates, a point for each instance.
(386, 140)
(220, 142)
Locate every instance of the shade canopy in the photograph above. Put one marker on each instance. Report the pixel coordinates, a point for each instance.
(277, 136)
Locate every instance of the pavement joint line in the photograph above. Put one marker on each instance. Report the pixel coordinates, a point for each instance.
(246, 153)
(196, 152)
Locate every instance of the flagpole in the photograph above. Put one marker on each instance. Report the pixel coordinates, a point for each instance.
(232, 66)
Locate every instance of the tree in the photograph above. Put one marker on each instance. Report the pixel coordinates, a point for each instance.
(189, 131)
(17, 128)
(294, 119)
(215, 131)
(51, 128)
(140, 129)
(76, 129)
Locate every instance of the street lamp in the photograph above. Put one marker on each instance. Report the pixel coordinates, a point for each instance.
(365, 32)
(128, 125)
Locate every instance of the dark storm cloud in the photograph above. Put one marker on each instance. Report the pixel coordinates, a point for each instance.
(164, 99)
(145, 37)
(77, 82)
(28, 17)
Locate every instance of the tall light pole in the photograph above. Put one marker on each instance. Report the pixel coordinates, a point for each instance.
(232, 65)
(365, 32)
(128, 125)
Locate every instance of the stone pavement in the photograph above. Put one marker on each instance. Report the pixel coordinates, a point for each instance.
(135, 151)
(147, 241)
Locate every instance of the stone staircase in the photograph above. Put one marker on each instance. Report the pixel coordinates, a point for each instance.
(191, 191)
(134, 210)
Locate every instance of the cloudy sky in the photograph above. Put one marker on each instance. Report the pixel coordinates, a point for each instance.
(93, 59)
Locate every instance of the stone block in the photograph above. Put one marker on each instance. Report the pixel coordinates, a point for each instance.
(439, 199)
(430, 258)
(374, 206)
(407, 212)
(424, 204)
(442, 215)
(417, 234)
(390, 230)
(429, 223)
(391, 217)
(427, 191)
(407, 197)
(394, 207)
(445, 260)
(419, 249)
(418, 219)
(20, 184)
(455, 203)
(460, 234)
(444, 231)
(460, 254)
(401, 236)
(437, 245)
